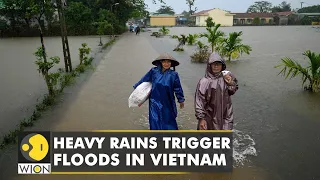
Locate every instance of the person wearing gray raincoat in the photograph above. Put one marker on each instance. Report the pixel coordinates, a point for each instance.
(213, 106)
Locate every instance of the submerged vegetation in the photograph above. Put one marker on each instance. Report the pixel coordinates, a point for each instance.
(230, 47)
(202, 53)
(56, 82)
(310, 74)
(182, 41)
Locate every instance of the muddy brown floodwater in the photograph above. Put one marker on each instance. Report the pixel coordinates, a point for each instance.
(277, 124)
(21, 84)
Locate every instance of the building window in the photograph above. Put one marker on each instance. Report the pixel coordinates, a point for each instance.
(235, 21)
(263, 21)
(249, 21)
(270, 21)
(242, 21)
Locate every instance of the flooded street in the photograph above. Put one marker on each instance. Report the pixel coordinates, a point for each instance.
(282, 120)
(277, 123)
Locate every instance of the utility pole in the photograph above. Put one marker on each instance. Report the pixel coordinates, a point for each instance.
(112, 21)
(64, 36)
(301, 4)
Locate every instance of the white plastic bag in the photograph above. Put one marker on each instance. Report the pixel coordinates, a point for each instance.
(225, 72)
(140, 94)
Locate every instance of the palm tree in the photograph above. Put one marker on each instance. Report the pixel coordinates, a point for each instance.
(214, 36)
(209, 22)
(232, 47)
(310, 73)
(201, 45)
(182, 41)
(192, 39)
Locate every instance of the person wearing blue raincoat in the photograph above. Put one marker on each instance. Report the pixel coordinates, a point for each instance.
(165, 86)
(131, 28)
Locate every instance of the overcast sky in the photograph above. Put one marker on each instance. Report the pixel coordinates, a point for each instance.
(229, 5)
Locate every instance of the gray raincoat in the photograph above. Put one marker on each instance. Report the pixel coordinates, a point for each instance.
(212, 98)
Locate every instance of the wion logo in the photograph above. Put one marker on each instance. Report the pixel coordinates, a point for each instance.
(34, 153)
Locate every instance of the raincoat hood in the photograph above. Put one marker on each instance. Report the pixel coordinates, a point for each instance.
(165, 56)
(214, 57)
(212, 98)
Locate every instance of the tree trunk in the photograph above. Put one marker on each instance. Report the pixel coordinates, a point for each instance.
(27, 22)
(46, 71)
(13, 24)
(179, 45)
(49, 85)
(81, 58)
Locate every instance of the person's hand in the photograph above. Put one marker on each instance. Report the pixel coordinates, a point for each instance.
(181, 105)
(203, 124)
(228, 79)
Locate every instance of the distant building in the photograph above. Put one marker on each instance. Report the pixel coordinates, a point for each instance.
(181, 19)
(282, 18)
(309, 14)
(312, 17)
(248, 18)
(162, 20)
(219, 16)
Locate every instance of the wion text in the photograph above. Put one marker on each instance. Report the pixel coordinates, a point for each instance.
(34, 168)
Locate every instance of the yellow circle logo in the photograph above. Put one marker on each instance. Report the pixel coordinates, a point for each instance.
(34, 147)
(37, 169)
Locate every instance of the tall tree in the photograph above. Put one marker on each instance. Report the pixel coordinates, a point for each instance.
(20, 12)
(78, 17)
(12, 10)
(165, 10)
(260, 7)
(38, 8)
(310, 9)
(283, 7)
(191, 3)
(186, 14)
(139, 9)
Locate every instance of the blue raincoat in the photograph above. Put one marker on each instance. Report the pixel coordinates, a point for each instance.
(162, 106)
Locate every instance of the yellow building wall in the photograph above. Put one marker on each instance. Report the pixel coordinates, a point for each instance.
(201, 20)
(220, 17)
(163, 21)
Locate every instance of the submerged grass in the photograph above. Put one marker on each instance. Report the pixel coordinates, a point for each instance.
(109, 43)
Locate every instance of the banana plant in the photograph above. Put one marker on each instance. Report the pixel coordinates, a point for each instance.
(214, 36)
(232, 47)
(310, 73)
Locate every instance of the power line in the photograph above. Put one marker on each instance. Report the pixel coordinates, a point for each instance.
(310, 4)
